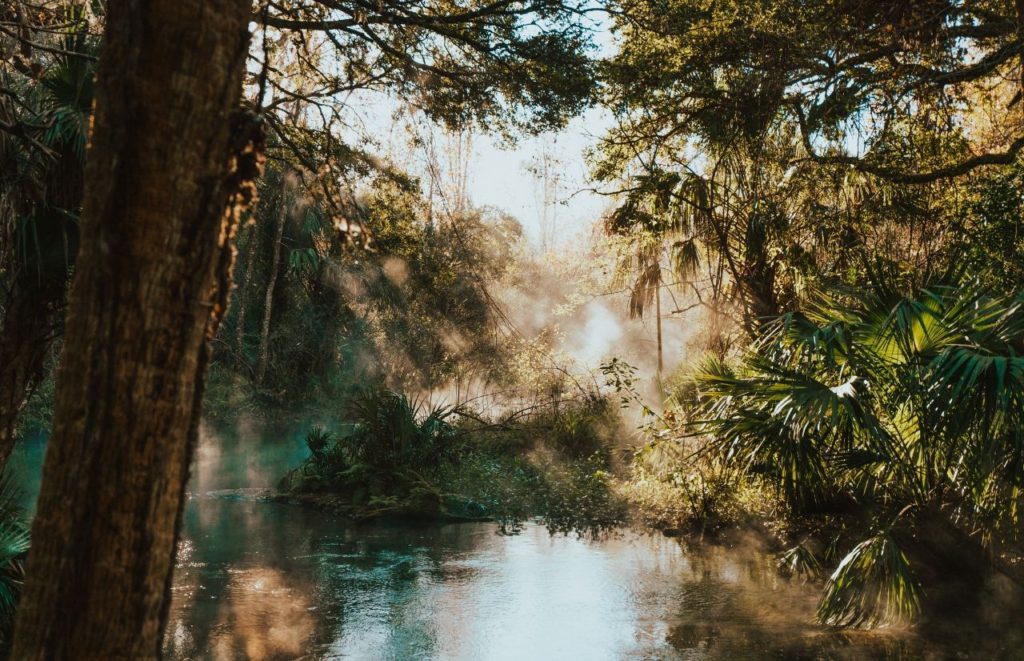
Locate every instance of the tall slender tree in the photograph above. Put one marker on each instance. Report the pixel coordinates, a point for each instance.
(275, 268)
(169, 165)
(44, 114)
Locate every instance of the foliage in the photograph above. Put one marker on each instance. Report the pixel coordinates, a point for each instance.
(872, 585)
(317, 441)
(577, 496)
(520, 63)
(14, 544)
(42, 149)
(894, 401)
(504, 484)
(800, 561)
(393, 432)
(989, 228)
(410, 311)
(402, 456)
(392, 439)
(46, 95)
(675, 489)
(577, 430)
(732, 72)
(763, 150)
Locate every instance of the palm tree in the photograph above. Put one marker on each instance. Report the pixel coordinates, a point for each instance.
(729, 216)
(662, 240)
(910, 404)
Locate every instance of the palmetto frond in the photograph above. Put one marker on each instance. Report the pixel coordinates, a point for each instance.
(644, 289)
(14, 545)
(787, 424)
(873, 585)
(799, 561)
(900, 400)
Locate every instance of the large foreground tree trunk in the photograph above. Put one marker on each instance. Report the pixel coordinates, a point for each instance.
(165, 176)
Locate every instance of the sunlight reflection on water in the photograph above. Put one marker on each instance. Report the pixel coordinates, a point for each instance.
(261, 580)
(268, 581)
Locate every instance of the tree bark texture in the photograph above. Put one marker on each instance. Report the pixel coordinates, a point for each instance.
(169, 166)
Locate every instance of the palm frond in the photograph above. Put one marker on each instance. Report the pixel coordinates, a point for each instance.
(799, 561)
(872, 586)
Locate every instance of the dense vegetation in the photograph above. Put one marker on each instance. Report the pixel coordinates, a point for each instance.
(830, 192)
(400, 458)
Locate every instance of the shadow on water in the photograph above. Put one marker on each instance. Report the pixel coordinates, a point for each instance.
(263, 580)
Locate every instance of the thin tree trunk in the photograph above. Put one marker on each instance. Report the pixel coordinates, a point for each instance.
(275, 267)
(168, 168)
(28, 331)
(657, 314)
(243, 301)
(37, 282)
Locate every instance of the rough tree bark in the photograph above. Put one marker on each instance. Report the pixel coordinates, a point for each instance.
(169, 166)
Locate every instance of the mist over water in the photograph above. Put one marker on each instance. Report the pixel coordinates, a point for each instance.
(263, 580)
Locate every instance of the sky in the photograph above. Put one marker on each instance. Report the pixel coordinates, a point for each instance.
(500, 175)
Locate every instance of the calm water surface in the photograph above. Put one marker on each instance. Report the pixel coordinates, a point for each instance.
(261, 580)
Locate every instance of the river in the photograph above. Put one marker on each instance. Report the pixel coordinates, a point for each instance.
(263, 580)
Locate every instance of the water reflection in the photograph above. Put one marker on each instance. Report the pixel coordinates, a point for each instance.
(25, 467)
(265, 581)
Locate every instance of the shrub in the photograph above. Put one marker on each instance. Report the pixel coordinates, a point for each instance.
(394, 432)
(317, 440)
(14, 543)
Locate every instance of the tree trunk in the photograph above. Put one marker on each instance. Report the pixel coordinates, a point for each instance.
(243, 290)
(29, 327)
(40, 260)
(657, 314)
(167, 170)
(275, 267)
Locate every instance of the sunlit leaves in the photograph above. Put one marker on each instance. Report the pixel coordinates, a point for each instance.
(799, 561)
(897, 399)
(873, 585)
